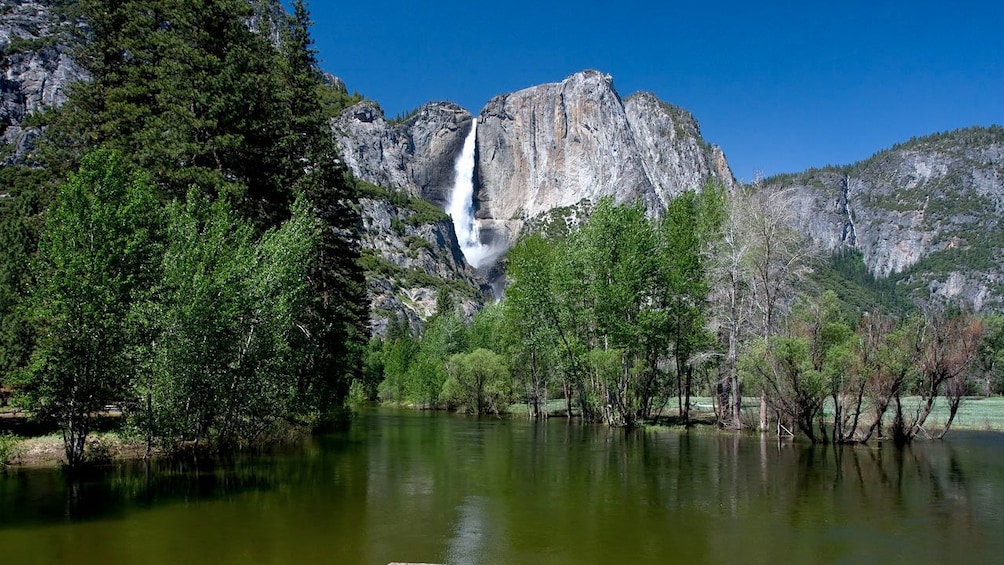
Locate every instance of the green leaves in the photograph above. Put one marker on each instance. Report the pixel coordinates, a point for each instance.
(94, 266)
(478, 381)
(191, 318)
(233, 304)
(630, 291)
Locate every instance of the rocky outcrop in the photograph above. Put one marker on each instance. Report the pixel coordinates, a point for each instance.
(555, 145)
(36, 70)
(927, 212)
(412, 264)
(416, 155)
(673, 153)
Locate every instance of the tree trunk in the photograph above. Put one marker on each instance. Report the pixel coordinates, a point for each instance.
(953, 409)
(567, 390)
(763, 413)
(686, 403)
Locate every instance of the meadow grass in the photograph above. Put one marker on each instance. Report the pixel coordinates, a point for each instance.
(975, 413)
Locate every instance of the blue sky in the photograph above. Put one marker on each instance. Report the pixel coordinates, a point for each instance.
(781, 86)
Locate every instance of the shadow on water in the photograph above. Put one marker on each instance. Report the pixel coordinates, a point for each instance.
(32, 497)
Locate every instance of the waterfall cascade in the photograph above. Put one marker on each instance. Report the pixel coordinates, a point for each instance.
(461, 207)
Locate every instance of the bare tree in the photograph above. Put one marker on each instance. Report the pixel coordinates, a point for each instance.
(947, 347)
(756, 263)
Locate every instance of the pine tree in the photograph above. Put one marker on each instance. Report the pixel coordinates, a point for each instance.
(185, 90)
(315, 169)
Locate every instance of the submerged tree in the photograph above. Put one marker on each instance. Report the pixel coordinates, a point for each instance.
(758, 259)
(478, 381)
(947, 345)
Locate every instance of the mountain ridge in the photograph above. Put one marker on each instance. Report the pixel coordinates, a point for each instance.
(924, 212)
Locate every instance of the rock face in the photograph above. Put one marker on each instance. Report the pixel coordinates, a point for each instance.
(416, 155)
(926, 212)
(411, 264)
(36, 69)
(555, 145)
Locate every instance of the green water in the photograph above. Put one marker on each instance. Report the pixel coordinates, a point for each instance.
(431, 487)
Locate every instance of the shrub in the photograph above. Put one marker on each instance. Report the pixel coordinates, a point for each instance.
(10, 449)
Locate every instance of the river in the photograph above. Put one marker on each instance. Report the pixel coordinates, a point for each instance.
(430, 487)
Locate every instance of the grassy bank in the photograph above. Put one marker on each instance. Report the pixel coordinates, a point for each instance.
(975, 413)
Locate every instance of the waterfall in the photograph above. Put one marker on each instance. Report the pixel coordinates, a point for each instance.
(461, 207)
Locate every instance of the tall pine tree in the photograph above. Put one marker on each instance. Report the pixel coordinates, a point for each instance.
(186, 90)
(315, 169)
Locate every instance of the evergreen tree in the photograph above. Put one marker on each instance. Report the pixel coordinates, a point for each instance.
(187, 91)
(340, 315)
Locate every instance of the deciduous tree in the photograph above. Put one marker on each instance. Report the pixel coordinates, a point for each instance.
(95, 260)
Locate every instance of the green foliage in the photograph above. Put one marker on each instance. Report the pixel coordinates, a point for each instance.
(623, 289)
(399, 349)
(336, 100)
(19, 227)
(233, 306)
(374, 265)
(92, 272)
(187, 92)
(9, 449)
(397, 226)
(845, 274)
(373, 370)
(404, 116)
(989, 362)
(19, 45)
(478, 381)
(443, 336)
(528, 319)
(486, 328)
(420, 211)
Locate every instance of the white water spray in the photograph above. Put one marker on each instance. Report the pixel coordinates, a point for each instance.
(461, 207)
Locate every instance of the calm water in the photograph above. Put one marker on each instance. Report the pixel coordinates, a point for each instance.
(408, 486)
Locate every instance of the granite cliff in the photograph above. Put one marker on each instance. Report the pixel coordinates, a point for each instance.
(927, 213)
(415, 155)
(412, 261)
(36, 68)
(557, 145)
(411, 251)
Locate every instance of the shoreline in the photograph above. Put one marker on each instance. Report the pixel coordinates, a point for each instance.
(110, 446)
(47, 451)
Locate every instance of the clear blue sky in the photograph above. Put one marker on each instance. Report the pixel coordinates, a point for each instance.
(781, 86)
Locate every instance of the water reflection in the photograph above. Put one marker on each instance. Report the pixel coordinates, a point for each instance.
(423, 487)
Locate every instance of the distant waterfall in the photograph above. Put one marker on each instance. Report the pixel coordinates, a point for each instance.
(462, 203)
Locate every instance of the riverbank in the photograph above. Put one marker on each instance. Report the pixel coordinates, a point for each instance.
(102, 447)
(46, 449)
